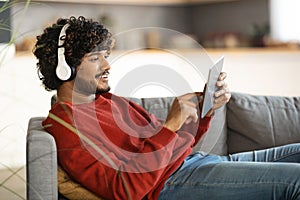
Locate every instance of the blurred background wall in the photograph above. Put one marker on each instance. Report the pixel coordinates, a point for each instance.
(207, 23)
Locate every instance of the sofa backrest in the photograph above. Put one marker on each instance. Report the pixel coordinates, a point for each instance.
(258, 122)
(214, 141)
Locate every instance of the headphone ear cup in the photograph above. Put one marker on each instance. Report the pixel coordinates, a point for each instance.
(63, 71)
(73, 73)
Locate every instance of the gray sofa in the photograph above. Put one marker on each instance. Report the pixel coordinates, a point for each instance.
(247, 122)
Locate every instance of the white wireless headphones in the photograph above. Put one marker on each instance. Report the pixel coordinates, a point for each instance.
(63, 71)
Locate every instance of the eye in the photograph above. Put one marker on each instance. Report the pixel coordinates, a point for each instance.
(106, 55)
(94, 58)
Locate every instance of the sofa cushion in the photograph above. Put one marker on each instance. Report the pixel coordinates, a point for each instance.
(257, 122)
(72, 190)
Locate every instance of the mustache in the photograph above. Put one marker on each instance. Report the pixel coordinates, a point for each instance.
(106, 72)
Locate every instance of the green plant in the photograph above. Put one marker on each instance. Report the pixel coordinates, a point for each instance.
(5, 26)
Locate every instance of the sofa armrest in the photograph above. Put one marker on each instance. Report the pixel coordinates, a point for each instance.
(41, 163)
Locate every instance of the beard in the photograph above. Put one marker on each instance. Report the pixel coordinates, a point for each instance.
(89, 87)
(102, 90)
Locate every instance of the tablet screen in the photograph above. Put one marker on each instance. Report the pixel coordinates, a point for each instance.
(211, 87)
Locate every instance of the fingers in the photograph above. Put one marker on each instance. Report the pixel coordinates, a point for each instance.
(223, 99)
(182, 111)
(192, 116)
(223, 95)
(189, 111)
(221, 83)
(223, 90)
(222, 76)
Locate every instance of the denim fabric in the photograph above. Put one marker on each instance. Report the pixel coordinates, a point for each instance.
(265, 174)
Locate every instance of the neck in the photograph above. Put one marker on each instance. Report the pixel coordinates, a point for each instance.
(66, 93)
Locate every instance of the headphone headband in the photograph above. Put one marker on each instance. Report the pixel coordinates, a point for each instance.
(62, 34)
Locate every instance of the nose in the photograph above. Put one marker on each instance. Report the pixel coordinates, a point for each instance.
(105, 65)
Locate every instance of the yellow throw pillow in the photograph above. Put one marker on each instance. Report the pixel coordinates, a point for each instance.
(71, 189)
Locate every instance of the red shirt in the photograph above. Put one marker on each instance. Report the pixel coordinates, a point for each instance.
(114, 148)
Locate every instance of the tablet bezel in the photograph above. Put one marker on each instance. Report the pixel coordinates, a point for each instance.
(211, 88)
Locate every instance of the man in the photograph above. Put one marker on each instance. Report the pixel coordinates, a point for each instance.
(117, 150)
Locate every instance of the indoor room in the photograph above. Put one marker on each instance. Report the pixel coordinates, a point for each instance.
(259, 40)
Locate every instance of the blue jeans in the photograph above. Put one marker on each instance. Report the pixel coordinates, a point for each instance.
(259, 175)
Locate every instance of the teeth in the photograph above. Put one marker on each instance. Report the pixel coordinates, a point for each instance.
(104, 75)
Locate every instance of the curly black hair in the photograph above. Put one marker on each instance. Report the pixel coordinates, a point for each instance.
(82, 36)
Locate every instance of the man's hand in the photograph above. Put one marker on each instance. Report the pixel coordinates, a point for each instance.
(222, 96)
(182, 111)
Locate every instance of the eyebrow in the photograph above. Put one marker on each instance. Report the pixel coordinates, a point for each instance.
(96, 53)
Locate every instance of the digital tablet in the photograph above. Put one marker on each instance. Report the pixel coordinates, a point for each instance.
(211, 87)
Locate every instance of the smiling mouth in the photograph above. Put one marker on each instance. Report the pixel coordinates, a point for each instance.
(103, 75)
